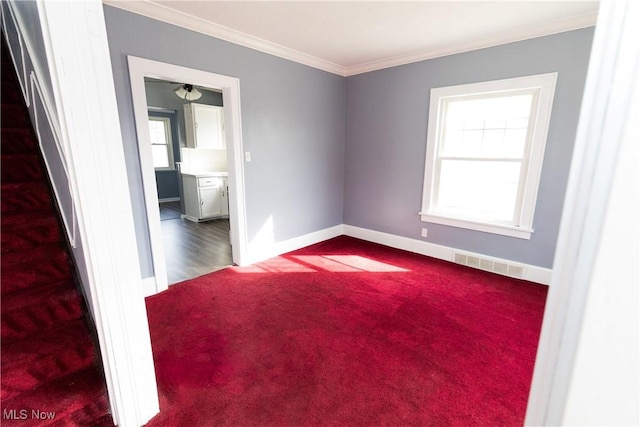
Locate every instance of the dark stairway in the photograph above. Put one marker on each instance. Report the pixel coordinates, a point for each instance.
(50, 370)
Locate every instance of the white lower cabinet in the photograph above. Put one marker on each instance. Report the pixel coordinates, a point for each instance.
(225, 197)
(204, 197)
(210, 201)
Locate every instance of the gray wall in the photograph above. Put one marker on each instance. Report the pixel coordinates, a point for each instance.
(161, 95)
(293, 122)
(328, 150)
(387, 114)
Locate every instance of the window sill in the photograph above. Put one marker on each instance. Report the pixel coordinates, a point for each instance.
(505, 230)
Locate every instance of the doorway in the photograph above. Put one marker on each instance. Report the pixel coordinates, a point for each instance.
(139, 69)
(195, 235)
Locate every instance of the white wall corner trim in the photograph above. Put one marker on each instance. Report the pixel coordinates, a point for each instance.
(148, 285)
(98, 176)
(585, 372)
(500, 266)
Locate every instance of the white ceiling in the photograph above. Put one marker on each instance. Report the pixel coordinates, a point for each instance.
(351, 37)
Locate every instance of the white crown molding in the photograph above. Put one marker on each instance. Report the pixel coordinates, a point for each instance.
(165, 14)
(546, 29)
(160, 12)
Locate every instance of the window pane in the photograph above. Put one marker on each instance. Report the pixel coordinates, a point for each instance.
(455, 142)
(485, 124)
(483, 190)
(514, 142)
(493, 143)
(472, 143)
(160, 156)
(157, 132)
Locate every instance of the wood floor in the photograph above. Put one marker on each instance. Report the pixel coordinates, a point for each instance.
(193, 249)
(169, 210)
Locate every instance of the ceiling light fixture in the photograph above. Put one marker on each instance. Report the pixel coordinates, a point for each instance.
(188, 92)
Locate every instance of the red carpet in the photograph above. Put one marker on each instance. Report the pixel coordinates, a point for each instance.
(346, 333)
(50, 371)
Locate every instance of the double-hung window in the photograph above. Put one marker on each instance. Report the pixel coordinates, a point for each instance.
(485, 147)
(161, 147)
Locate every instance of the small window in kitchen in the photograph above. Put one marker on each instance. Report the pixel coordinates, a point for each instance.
(160, 135)
(485, 147)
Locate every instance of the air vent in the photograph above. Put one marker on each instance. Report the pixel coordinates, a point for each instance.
(459, 258)
(488, 264)
(515, 270)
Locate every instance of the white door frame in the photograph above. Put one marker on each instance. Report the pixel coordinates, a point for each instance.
(139, 68)
(605, 112)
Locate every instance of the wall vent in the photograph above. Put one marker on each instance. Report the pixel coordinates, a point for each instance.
(459, 258)
(488, 264)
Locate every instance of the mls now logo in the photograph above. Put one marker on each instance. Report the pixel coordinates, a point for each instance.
(23, 414)
(15, 414)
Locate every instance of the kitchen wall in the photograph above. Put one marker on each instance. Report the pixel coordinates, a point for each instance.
(387, 114)
(203, 159)
(161, 95)
(293, 123)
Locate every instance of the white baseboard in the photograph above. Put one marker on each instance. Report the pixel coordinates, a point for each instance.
(169, 199)
(261, 252)
(529, 272)
(149, 286)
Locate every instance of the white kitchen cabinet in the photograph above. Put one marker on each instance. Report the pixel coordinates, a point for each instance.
(205, 197)
(210, 201)
(204, 126)
(225, 197)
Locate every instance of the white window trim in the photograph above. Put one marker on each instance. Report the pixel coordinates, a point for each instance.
(168, 145)
(534, 155)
